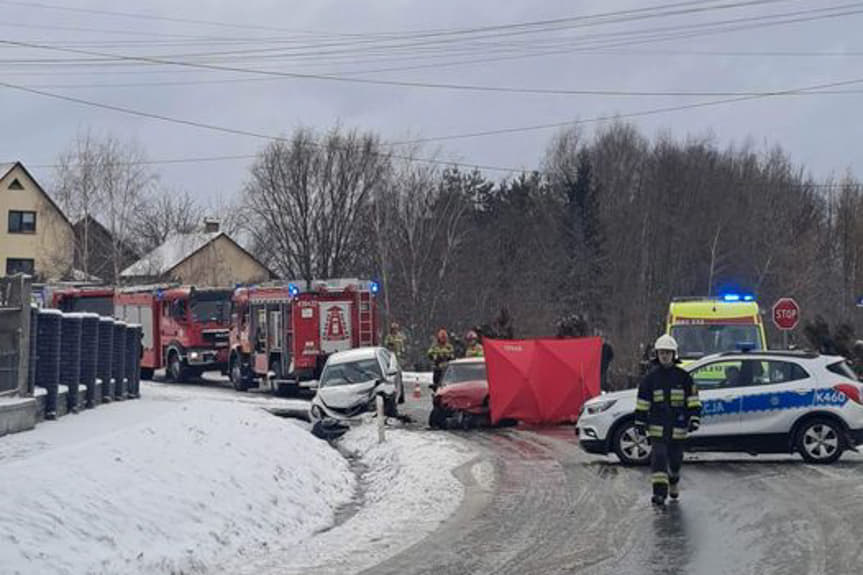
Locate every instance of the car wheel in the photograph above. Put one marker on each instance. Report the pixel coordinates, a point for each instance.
(437, 418)
(820, 441)
(631, 445)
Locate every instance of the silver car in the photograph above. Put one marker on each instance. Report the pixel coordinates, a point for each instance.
(352, 379)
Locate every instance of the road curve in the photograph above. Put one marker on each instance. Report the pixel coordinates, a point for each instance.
(553, 509)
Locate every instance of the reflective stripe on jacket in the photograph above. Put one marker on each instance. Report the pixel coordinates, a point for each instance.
(667, 403)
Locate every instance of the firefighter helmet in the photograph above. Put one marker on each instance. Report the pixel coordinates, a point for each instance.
(665, 342)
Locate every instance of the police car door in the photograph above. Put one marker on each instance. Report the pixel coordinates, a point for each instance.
(778, 393)
(720, 395)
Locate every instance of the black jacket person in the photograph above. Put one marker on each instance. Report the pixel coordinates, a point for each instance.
(667, 408)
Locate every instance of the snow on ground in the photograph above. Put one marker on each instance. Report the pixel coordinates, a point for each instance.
(407, 490)
(156, 486)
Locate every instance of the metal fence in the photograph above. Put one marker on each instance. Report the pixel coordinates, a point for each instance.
(8, 370)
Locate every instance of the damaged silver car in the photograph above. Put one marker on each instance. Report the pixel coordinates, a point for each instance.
(351, 380)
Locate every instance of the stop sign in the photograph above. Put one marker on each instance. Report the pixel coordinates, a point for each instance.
(786, 313)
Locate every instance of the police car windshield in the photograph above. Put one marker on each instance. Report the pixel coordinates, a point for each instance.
(844, 369)
(694, 341)
(461, 372)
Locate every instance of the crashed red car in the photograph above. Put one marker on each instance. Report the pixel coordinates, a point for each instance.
(461, 400)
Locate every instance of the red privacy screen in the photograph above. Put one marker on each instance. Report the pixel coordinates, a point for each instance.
(541, 380)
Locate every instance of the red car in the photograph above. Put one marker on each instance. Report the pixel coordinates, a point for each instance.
(461, 400)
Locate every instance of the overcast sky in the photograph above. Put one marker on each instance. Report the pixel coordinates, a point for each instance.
(423, 42)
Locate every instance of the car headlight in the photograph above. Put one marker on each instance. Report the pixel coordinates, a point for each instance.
(600, 406)
(317, 412)
(193, 355)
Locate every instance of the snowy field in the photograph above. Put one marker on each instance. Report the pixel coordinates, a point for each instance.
(186, 481)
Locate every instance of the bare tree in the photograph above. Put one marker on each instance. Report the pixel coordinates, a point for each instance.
(107, 180)
(165, 214)
(305, 198)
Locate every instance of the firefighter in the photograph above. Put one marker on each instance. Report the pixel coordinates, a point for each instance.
(667, 408)
(395, 341)
(857, 358)
(474, 347)
(440, 354)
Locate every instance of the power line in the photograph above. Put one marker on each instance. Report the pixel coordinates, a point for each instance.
(648, 9)
(258, 135)
(479, 88)
(106, 58)
(326, 77)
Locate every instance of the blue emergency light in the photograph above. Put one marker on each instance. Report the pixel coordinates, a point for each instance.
(293, 290)
(374, 287)
(737, 297)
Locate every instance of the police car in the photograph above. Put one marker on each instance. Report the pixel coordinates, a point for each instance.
(755, 402)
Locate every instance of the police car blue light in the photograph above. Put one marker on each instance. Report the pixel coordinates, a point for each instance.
(374, 287)
(293, 290)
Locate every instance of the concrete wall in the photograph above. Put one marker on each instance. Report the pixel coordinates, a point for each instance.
(220, 263)
(15, 329)
(17, 407)
(52, 245)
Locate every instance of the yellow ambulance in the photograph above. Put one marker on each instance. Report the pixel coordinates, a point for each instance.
(702, 326)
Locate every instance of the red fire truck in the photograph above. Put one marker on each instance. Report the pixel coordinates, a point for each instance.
(98, 300)
(282, 334)
(185, 329)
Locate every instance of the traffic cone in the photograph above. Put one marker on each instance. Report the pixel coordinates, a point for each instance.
(418, 392)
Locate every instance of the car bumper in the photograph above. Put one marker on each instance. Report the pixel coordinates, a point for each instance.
(595, 446)
(589, 439)
(856, 436)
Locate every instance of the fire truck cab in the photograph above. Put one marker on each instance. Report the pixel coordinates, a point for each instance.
(185, 329)
(99, 300)
(281, 335)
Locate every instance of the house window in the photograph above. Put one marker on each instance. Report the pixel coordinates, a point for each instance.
(19, 266)
(16, 185)
(22, 222)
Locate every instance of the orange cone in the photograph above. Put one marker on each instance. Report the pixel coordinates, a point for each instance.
(418, 392)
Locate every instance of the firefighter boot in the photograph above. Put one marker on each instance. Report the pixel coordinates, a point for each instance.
(657, 499)
(674, 490)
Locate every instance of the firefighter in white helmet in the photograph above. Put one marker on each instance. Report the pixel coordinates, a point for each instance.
(667, 409)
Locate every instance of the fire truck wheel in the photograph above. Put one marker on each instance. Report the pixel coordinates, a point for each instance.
(176, 370)
(239, 382)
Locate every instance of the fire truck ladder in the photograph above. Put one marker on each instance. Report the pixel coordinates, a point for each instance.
(366, 327)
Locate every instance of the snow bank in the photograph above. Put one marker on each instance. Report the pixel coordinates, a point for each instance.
(162, 487)
(407, 490)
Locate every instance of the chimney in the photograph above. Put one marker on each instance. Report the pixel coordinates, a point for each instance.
(211, 225)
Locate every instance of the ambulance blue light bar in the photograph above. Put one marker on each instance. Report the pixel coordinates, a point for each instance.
(737, 297)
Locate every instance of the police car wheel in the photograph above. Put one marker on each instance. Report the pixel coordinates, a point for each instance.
(820, 441)
(631, 445)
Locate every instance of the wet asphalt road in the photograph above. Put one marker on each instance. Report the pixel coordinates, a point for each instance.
(555, 509)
